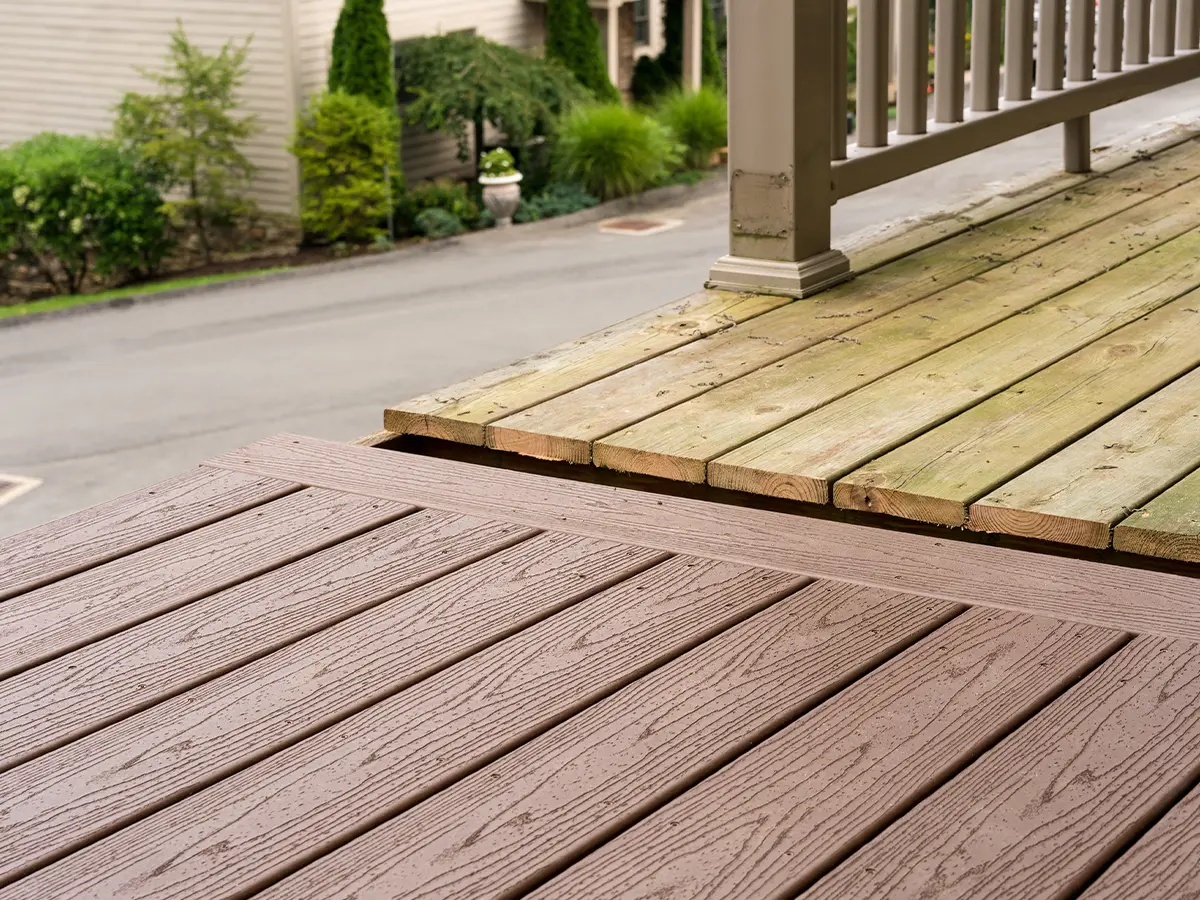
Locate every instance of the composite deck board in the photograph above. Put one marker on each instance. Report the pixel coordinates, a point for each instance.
(937, 476)
(801, 460)
(1165, 862)
(498, 691)
(1077, 495)
(545, 804)
(128, 523)
(565, 426)
(52, 620)
(432, 733)
(678, 442)
(775, 819)
(1076, 590)
(1167, 526)
(1039, 814)
(460, 411)
(54, 703)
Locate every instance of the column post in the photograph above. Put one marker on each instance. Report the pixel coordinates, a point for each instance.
(692, 44)
(612, 42)
(780, 184)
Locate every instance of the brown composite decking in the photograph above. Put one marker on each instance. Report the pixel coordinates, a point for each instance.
(1028, 367)
(460, 681)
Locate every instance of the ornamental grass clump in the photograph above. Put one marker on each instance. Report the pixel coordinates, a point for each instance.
(612, 151)
(699, 120)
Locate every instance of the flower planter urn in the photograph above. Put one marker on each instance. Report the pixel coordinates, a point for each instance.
(502, 196)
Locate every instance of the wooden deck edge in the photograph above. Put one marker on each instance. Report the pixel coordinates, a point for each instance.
(993, 518)
(865, 497)
(1152, 542)
(1093, 593)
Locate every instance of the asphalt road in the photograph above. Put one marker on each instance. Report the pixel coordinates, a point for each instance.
(98, 404)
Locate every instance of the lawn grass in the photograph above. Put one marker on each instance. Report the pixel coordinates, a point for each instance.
(68, 301)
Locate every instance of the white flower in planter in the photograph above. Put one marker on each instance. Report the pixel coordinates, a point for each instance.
(501, 184)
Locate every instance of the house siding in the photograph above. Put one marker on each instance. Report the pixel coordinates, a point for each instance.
(517, 23)
(64, 65)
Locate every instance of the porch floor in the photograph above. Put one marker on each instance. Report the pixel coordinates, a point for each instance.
(312, 670)
(1026, 367)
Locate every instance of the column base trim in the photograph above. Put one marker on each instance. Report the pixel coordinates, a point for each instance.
(790, 279)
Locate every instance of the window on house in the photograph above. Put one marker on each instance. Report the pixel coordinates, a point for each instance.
(641, 22)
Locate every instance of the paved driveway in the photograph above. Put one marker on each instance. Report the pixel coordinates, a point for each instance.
(98, 404)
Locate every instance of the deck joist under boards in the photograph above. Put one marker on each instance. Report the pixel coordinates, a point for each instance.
(312, 670)
(1029, 367)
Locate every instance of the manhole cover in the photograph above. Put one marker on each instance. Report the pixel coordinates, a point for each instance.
(638, 226)
(13, 486)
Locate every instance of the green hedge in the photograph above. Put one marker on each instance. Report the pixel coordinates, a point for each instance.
(72, 207)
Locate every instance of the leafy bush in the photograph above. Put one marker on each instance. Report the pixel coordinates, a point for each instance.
(497, 163)
(445, 194)
(612, 150)
(361, 57)
(458, 82)
(347, 149)
(438, 223)
(73, 206)
(573, 39)
(650, 80)
(188, 132)
(558, 199)
(700, 121)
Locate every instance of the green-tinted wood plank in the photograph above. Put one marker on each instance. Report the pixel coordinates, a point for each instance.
(1168, 526)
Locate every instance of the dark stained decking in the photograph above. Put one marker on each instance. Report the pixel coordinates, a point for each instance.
(313, 670)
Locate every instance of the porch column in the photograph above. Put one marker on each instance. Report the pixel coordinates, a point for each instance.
(692, 43)
(780, 146)
(612, 42)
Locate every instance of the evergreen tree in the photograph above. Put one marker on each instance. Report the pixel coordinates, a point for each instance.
(362, 53)
(712, 71)
(573, 38)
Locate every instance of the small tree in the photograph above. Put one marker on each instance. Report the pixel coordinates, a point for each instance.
(574, 40)
(189, 134)
(362, 53)
(346, 146)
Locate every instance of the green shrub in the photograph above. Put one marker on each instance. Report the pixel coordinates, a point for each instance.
(700, 121)
(558, 199)
(573, 39)
(438, 223)
(361, 56)
(74, 206)
(347, 150)
(497, 163)
(613, 151)
(650, 80)
(445, 194)
(188, 132)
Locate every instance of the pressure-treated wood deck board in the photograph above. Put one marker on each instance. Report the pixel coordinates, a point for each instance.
(1077, 495)
(679, 442)
(936, 476)
(1076, 590)
(125, 524)
(49, 621)
(775, 819)
(139, 764)
(63, 699)
(1167, 526)
(1040, 813)
(440, 728)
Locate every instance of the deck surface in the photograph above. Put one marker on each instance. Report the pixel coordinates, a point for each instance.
(322, 670)
(1028, 369)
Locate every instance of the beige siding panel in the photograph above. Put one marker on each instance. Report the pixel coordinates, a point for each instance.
(64, 65)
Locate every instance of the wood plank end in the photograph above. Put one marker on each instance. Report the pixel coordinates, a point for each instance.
(995, 518)
(647, 462)
(403, 421)
(867, 497)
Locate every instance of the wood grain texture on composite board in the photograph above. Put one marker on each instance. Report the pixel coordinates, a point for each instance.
(58, 701)
(803, 459)
(678, 443)
(549, 801)
(450, 710)
(1076, 590)
(565, 424)
(131, 522)
(59, 617)
(936, 476)
(776, 818)
(1040, 813)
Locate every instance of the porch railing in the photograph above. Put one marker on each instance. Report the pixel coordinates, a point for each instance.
(1032, 65)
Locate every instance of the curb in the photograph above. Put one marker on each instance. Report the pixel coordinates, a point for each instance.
(656, 198)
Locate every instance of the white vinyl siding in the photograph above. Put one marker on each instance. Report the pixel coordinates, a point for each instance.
(64, 65)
